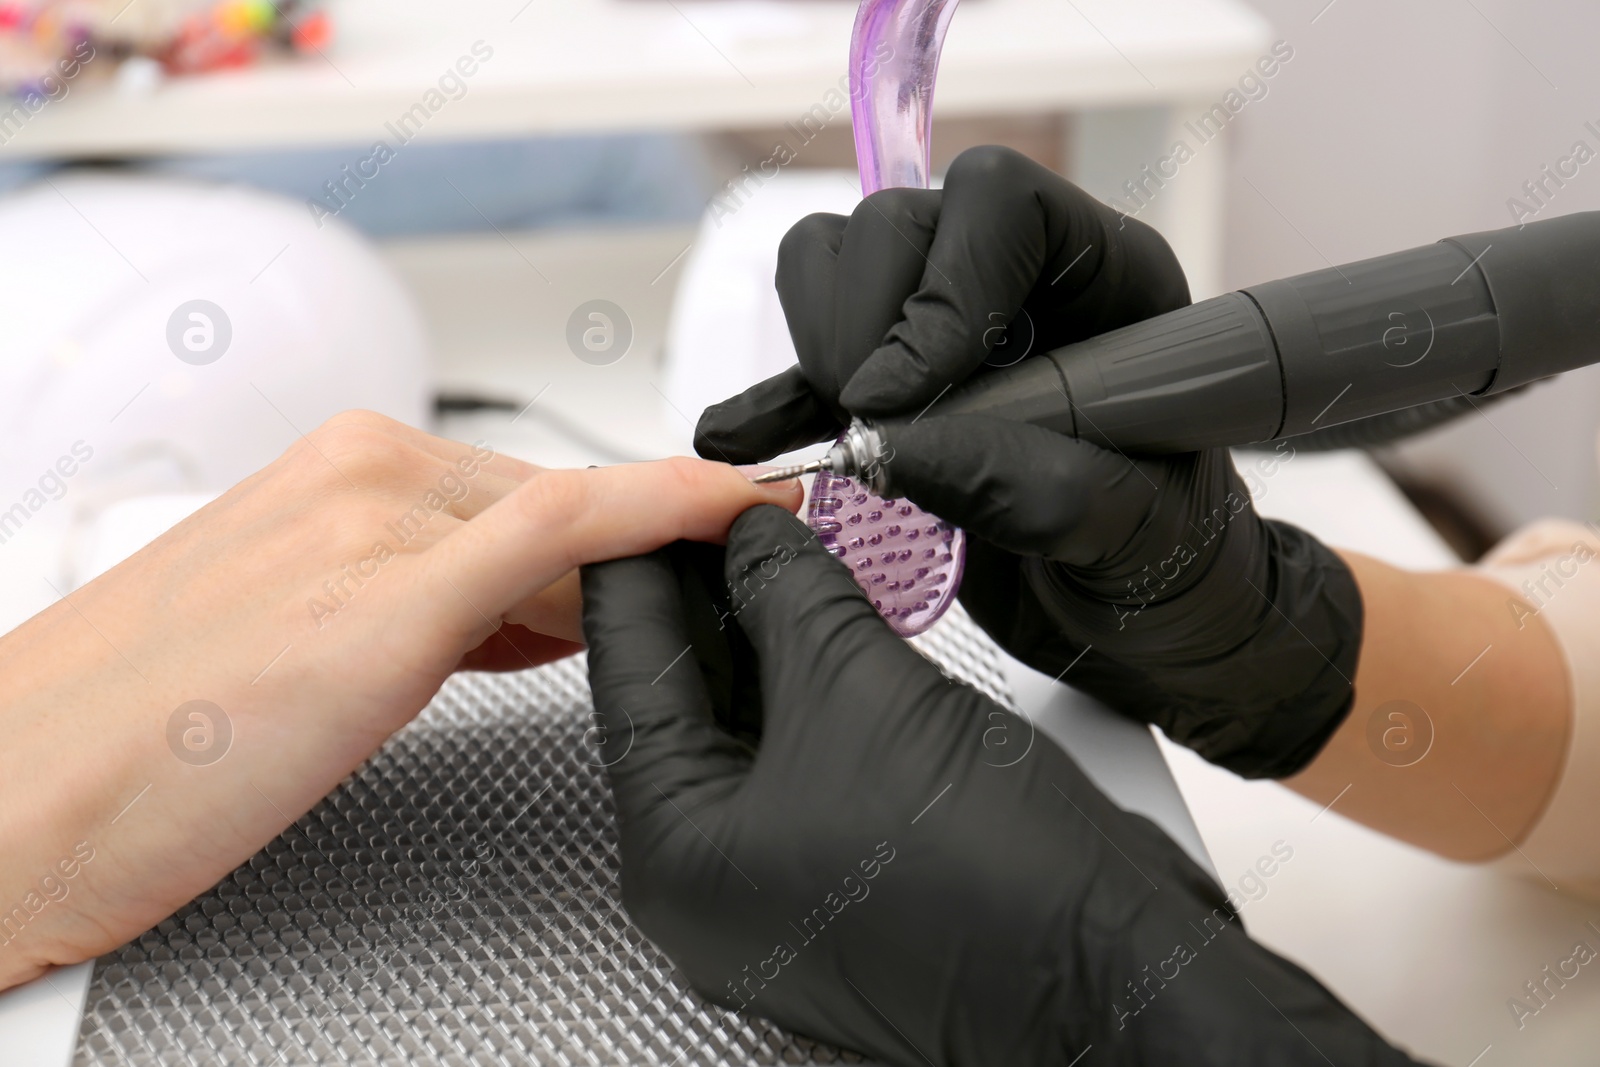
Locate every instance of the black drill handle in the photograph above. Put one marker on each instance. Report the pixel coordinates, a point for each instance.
(1469, 316)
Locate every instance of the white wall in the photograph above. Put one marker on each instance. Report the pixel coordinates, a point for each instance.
(1400, 123)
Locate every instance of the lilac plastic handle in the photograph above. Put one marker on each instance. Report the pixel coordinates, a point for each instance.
(908, 562)
(894, 59)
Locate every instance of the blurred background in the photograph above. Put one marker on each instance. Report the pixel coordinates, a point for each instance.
(551, 225)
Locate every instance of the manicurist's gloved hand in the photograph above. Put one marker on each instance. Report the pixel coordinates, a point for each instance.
(914, 291)
(1151, 578)
(813, 828)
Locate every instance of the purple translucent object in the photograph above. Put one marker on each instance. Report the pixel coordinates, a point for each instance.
(894, 59)
(907, 561)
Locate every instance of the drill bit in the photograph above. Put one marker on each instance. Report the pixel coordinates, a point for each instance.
(859, 453)
(783, 474)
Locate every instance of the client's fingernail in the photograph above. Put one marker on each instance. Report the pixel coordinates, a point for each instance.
(756, 470)
(787, 492)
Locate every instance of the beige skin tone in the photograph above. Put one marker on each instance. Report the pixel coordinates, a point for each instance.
(91, 683)
(1500, 729)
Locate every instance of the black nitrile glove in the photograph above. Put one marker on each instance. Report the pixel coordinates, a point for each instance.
(1151, 579)
(914, 292)
(1237, 637)
(858, 869)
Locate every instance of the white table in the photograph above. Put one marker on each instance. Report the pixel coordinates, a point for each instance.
(618, 65)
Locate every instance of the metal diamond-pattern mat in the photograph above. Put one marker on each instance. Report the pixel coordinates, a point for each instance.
(456, 901)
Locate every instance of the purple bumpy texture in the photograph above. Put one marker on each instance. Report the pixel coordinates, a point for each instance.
(907, 561)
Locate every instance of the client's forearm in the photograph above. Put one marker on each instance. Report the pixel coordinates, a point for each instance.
(1461, 716)
(114, 808)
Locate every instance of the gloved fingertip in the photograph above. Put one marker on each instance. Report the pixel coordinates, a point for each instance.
(861, 397)
(616, 586)
(600, 573)
(790, 597)
(764, 532)
(723, 435)
(768, 547)
(769, 418)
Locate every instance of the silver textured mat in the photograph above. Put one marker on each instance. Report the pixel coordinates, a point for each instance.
(455, 902)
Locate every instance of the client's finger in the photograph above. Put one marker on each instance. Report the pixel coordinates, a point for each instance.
(562, 519)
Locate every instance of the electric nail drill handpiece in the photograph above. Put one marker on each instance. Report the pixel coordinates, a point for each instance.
(1469, 317)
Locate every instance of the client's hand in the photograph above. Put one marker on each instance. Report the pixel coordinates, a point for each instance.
(164, 722)
(814, 828)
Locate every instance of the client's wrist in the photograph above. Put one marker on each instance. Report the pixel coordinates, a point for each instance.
(58, 786)
(83, 751)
